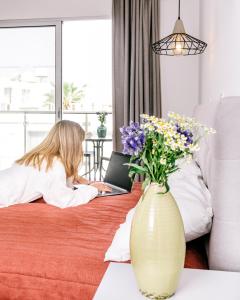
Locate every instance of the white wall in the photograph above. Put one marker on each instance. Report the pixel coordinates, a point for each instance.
(220, 66)
(179, 75)
(32, 9)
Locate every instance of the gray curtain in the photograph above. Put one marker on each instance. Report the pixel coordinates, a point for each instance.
(136, 69)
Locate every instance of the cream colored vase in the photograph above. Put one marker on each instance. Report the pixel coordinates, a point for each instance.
(157, 243)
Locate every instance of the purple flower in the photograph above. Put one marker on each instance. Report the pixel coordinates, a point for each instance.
(133, 138)
(187, 133)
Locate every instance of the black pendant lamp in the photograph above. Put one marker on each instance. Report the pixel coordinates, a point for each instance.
(179, 42)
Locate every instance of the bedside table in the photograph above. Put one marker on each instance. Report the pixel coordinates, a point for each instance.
(119, 283)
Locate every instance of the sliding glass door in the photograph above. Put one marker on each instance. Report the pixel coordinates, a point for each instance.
(28, 106)
(87, 75)
(36, 91)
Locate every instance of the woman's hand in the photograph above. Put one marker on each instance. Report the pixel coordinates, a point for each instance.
(102, 187)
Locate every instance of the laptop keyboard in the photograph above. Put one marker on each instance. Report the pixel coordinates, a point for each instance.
(114, 191)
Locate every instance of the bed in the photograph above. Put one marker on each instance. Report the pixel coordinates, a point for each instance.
(50, 253)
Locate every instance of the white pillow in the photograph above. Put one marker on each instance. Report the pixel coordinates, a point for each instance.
(194, 202)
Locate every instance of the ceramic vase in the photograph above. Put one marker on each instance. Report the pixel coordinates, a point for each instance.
(157, 243)
(102, 131)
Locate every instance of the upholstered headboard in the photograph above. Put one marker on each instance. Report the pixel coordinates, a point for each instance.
(219, 159)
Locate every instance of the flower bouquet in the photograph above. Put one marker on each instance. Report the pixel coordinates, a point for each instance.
(102, 117)
(157, 144)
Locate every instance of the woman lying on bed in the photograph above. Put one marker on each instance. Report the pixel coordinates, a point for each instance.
(49, 171)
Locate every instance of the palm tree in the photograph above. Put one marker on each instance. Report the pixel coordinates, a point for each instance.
(71, 95)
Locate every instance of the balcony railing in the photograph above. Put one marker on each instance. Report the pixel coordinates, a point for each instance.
(27, 128)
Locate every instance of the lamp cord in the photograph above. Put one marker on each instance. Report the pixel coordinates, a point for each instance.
(179, 7)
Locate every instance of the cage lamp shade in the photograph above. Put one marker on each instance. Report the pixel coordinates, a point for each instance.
(179, 42)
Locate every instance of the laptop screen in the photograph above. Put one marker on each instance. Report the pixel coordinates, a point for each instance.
(117, 172)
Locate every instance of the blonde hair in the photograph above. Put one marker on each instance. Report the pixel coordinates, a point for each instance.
(64, 142)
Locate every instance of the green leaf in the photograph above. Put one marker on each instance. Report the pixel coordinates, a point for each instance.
(136, 167)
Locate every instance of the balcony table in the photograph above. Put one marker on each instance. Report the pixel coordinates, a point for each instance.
(98, 146)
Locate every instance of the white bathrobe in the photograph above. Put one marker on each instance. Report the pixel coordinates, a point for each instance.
(23, 184)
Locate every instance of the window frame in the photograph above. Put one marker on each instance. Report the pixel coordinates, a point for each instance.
(57, 23)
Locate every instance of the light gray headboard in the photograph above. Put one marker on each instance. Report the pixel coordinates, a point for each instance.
(219, 159)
